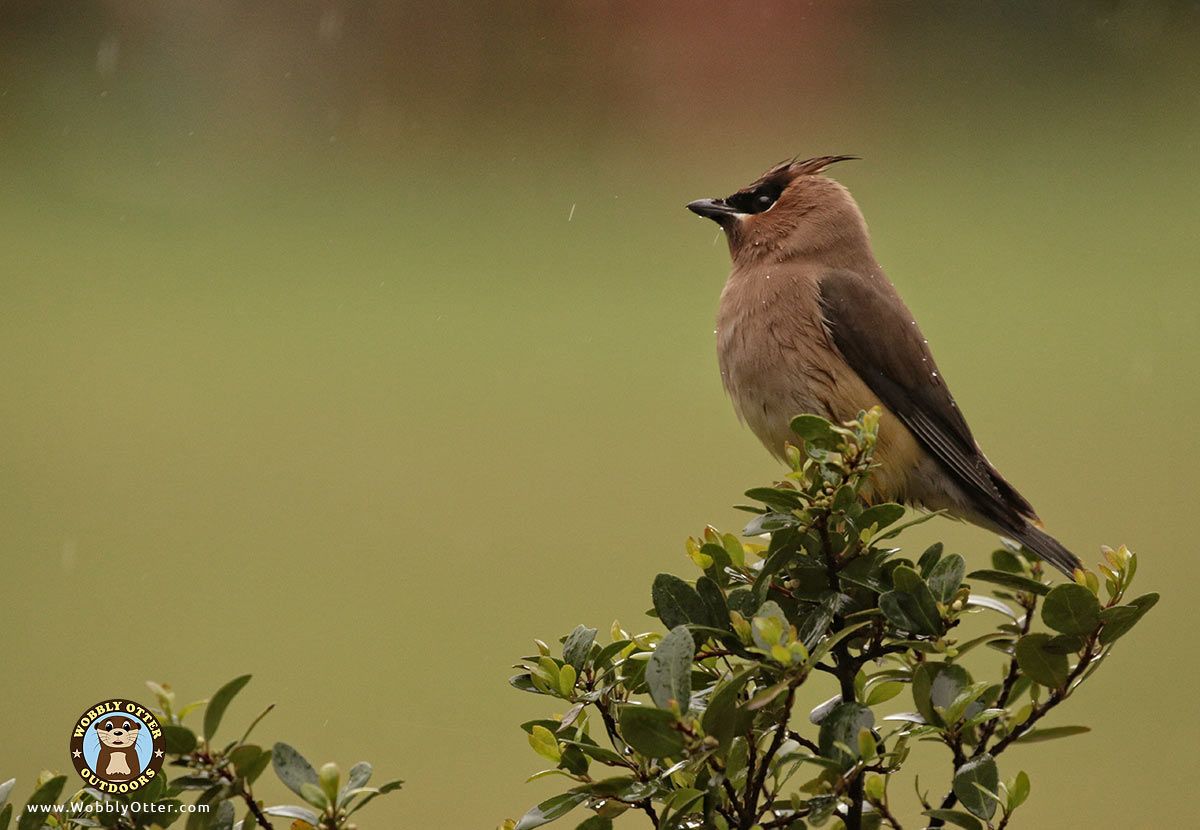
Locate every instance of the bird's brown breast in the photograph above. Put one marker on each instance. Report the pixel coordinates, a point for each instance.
(777, 361)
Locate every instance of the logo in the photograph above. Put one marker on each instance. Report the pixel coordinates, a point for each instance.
(117, 746)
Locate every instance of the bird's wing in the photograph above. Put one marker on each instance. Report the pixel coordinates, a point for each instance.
(877, 335)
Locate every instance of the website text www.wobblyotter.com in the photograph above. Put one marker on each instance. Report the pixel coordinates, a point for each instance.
(111, 807)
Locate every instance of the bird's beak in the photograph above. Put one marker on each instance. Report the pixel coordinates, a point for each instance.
(717, 210)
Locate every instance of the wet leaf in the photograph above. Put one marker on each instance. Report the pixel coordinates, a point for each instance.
(1018, 582)
(669, 670)
(1071, 609)
(977, 773)
(293, 769)
(1041, 665)
(838, 738)
(551, 809)
(220, 702)
(946, 576)
(650, 731)
(677, 603)
(1051, 733)
(578, 646)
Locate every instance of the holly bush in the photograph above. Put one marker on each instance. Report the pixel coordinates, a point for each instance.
(695, 727)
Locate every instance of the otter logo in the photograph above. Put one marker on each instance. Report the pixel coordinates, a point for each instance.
(117, 746)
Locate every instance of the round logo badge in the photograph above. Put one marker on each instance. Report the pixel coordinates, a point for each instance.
(117, 746)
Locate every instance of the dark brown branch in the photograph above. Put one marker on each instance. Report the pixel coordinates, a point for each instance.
(764, 766)
(811, 746)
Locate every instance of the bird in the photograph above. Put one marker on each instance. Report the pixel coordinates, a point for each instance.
(809, 323)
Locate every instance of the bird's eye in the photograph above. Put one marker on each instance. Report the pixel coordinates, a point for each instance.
(757, 200)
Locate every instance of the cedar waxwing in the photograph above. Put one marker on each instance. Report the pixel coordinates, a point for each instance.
(809, 323)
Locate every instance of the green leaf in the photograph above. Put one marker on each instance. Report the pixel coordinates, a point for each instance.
(244, 756)
(714, 603)
(919, 519)
(650, 731)
(676, 602)
(963, 704)
(1018, 791)
(1120, 619)
(1071, 609)
(5, 816)
(722, 719)
(1065, 643)
(1040, 664)
(252, 770)
(597, 753)
(936, 686)
(1017, 582)
(551, 809)
(1008, 561)
(838, 738)
(578, 646)
(929, 558)
(946, 576)
(825, 646)
(543, 742)
(910, 605)
(669, 671)
(813, 626)
(313, 794)
(6, 790)
(978, 773)
(880, 515)
(981, 601)
(779, 498)
(734, 550)
(293, 769)
(220, 702)
(223, 820)
(48, 793)
(290, 811)
(1050, 733)
(769, 612)
(949, 682)
(720, 562)
(384, 789)
(815, 429)
(359, 775)
(743, 601)
(596, 823)
(956, 817)
(178, 740)
(883, 692)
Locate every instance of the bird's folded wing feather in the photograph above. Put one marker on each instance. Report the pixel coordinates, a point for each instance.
(877, 335)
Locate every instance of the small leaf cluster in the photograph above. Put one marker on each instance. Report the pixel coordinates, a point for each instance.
(693, 727)
(222, 775)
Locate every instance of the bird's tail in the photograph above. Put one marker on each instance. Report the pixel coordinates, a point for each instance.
(1047, 547)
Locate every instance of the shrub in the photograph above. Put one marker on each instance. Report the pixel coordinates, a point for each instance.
(694, 727)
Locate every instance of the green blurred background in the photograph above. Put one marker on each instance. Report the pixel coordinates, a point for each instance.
(355, 344)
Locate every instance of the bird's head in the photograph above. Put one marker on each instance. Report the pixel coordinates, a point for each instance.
(791, 210)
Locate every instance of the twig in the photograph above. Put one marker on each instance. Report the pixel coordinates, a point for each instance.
(886, 814)
(1014, 671)
(260, 818)
(1056, 697)
(804, 742)
(765, 765)
(1038, 712)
